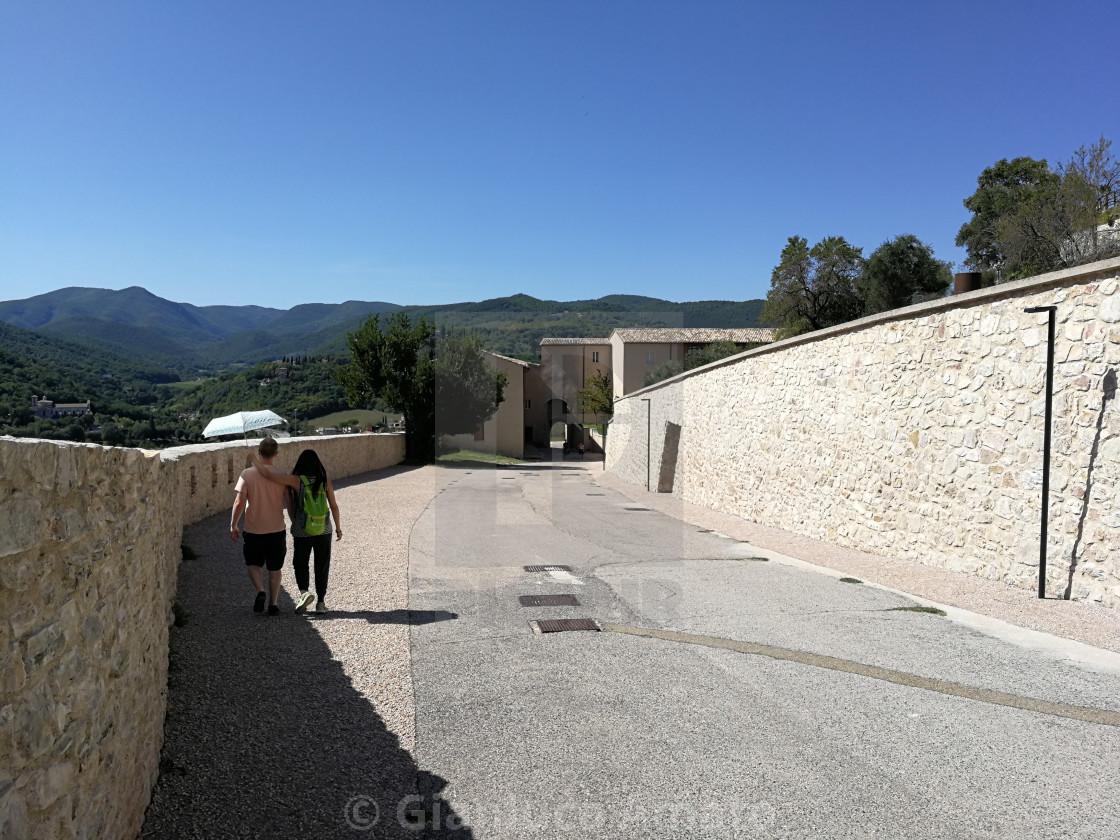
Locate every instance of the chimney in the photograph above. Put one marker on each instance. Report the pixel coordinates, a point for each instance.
(966, 281)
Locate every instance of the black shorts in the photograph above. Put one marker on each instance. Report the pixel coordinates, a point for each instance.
(266, 550)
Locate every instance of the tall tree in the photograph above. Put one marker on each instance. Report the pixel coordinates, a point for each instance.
(467, 390)
(813, 288)
(396, 365)
(899, 269)
(444, 390)
(1001, 191)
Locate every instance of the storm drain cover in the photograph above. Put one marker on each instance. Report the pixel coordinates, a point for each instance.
(548, 568)
(635, 508)
(596, 494)
(562, 625)
(509, 478)
(548, 601)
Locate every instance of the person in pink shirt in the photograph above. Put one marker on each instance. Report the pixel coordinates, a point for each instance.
(266, 543)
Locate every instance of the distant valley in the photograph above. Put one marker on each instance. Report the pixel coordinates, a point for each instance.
(154, 370)
(136, 324)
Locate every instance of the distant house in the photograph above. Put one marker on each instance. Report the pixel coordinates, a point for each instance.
(636, 352)
(520, 418)
(50, 410)
(626, 357)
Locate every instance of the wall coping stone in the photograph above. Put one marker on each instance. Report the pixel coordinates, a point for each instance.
(1039, 283)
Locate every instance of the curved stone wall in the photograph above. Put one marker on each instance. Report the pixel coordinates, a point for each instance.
(89, 552)
(916, 433)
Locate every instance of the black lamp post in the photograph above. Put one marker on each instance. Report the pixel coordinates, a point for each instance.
(1050, 310)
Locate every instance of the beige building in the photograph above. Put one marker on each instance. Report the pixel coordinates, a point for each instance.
(520, 420)
(640, 351)
(50, 410)
(541, 402)
(566, 364)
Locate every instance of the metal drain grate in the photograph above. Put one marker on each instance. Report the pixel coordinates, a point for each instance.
(548, 601)
(596, 494)
(548, 568)
(561, 625)
(636, 508)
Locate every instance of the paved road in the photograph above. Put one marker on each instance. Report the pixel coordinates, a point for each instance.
(616, 735)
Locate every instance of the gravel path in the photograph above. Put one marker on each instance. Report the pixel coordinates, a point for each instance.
(277, 725)
(1083, 622)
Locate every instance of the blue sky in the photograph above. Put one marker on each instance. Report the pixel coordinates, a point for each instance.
(434, 152)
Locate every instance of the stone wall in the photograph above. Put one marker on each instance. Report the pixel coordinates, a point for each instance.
(89, 551)
(916, 433)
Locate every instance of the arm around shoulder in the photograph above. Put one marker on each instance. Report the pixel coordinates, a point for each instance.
(334, 510)
(273, 474)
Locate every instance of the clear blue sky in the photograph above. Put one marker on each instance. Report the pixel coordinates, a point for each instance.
(433, 152)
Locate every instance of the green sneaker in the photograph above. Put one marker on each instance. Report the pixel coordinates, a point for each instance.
(304, 601)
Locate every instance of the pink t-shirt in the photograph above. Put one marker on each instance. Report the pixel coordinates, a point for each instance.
(264, 513)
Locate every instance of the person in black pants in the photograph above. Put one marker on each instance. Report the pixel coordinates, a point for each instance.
(308, 466)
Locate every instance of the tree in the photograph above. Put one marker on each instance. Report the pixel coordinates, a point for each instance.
(1001, 191)
(400, 367)
(1055, 224)
(811, 289)
(468, 391)
(899, 269)
(710, 353)
(597, 394)
(397, 366)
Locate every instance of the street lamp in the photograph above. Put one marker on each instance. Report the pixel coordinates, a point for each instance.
(1050, 310)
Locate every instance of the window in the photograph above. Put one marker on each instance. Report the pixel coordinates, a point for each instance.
(594, 355)
(649, 358)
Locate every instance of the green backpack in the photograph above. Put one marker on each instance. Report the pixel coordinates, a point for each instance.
(315, 508)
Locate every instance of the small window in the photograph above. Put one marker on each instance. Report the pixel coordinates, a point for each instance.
(594, 355)
(649, 358)
(528, 404)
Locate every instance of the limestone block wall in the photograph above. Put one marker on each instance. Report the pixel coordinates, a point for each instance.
(89, 546)
(206, 473)
(89, 552)
(915, 434)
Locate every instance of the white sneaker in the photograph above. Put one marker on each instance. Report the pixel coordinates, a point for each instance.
(304, 601)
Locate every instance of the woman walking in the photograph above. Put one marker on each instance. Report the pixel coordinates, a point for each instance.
(311, 524)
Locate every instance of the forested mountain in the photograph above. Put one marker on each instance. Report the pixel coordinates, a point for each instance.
(190, 338)
(126, 351)
(36, 365)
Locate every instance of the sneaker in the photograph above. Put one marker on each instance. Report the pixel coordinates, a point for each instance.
(321, 607)
(304, 601)
(273, 609)
(258, 605)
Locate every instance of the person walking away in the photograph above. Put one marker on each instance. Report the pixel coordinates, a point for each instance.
(311, 529)
(262, 502)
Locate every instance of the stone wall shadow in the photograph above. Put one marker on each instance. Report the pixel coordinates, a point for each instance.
(265, 735)
(1108, 383)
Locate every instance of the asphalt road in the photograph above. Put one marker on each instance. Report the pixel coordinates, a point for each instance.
(690, 732)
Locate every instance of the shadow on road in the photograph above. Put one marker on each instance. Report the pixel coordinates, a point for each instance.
(265, 735)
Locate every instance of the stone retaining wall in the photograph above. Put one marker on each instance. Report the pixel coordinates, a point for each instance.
(916, 433)
(89, 553)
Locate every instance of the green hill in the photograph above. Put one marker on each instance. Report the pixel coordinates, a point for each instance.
(186, 338)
